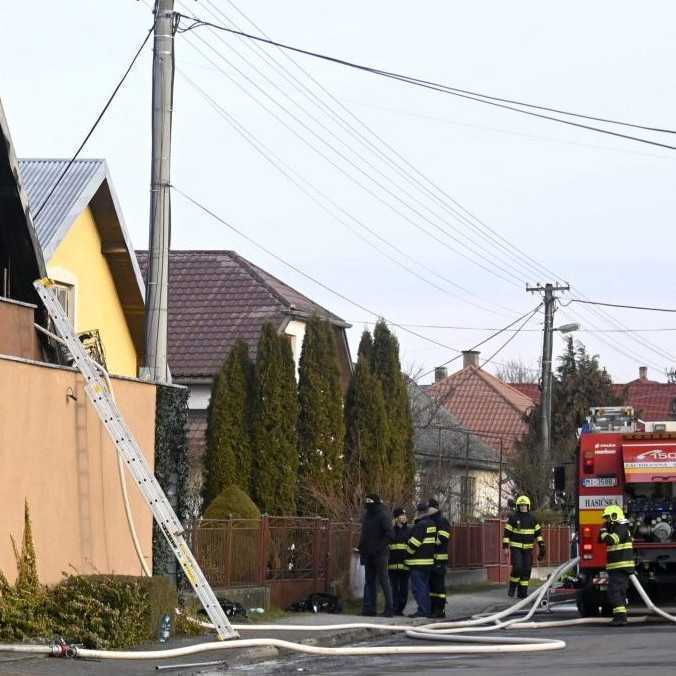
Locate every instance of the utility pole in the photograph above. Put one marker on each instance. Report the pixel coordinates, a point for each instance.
(547, 345)
(157, 285)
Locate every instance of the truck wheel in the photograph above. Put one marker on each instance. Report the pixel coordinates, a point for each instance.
(587, 603)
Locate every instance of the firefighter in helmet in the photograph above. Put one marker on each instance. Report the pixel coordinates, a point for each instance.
(521, 533)
(616, 536)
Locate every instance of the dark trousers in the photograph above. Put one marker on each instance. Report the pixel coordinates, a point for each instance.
(618, 582)
(376, 571)
(420, 586)
(399, 584)
(522, 563)
(438, 591)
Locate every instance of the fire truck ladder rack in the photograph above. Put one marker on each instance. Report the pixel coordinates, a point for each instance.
(127, 446)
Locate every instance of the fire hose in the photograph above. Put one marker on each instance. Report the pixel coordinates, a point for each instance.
(441, 631)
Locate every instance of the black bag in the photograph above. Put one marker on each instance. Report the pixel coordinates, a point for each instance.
(230, 608)
(319, 602)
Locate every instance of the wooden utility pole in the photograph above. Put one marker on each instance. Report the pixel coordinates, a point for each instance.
(157, 285)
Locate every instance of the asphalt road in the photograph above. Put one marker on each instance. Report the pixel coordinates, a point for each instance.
(590, 651)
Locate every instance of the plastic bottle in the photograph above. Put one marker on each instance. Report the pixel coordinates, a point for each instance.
(165, 628)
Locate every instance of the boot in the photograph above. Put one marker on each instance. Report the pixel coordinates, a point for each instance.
(619, 620)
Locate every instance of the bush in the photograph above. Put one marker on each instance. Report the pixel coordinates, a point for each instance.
(232, 502)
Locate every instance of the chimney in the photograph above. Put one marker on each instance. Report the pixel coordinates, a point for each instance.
(440, 372)
(643, 373)
(470, 358)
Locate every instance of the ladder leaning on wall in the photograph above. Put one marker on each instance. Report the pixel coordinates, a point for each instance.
(102, 399)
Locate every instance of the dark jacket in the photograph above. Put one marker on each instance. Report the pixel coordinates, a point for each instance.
(376, 531)
(422, 544)
(523, 531)
(619, 547)
(443, 536)
(398, 545)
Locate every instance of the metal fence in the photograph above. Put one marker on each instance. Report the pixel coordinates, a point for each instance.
(292, 556)
(297, 556)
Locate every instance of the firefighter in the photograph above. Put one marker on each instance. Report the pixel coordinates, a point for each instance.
(420, 550)
(617, 538)
(398, 570)
(438, 575)
(521, 533)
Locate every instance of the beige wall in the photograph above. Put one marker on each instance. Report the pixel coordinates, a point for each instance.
(55, 453)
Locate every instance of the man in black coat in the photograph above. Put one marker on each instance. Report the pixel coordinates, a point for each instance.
(376, 535)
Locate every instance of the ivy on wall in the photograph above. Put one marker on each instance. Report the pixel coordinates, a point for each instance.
(171, 465)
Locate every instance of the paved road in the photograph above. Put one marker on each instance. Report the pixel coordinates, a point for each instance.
(591, 651)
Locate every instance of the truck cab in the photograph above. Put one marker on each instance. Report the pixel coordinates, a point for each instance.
(632, 464)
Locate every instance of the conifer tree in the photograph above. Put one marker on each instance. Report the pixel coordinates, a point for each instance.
(227, 459)
(321, 426)
(274, 430)
(366, 429)
(386, 367)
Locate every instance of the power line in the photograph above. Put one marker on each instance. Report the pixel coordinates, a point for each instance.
(485, 262)
(467, 217)
(338, 294)
(93, 127)
(483, 229)
(626, 307)
(427, 84)
(528, 316)
(303, 185)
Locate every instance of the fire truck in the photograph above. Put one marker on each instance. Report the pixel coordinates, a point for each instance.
(632, 464)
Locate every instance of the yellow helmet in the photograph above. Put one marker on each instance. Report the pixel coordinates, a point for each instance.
(613, 512)
(523, 500)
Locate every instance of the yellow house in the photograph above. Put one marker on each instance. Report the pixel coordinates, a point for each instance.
(89, 255)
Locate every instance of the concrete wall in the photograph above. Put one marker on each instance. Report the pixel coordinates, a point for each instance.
(18, 336)
(55, 453)
(78, 261)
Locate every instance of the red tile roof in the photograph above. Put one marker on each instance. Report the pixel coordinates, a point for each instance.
(485, 405)
(651, 400)
(216, 297)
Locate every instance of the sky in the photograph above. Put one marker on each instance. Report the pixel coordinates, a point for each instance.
(383, 171)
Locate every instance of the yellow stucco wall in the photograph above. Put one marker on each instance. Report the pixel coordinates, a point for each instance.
(78, 260)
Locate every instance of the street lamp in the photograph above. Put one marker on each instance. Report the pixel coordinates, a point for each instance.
(568, 328)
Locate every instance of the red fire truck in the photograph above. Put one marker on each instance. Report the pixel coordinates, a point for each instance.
(631, 464)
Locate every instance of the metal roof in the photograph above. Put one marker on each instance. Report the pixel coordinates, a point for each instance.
(69, 200)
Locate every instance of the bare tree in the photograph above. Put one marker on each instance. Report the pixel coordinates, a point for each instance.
(518, 371)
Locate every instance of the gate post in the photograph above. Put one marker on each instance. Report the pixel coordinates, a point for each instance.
(263, 546)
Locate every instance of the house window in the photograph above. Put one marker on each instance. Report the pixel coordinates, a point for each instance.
(65, 294)
(467, 495)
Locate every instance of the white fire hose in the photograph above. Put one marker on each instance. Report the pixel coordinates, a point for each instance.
(441, 631)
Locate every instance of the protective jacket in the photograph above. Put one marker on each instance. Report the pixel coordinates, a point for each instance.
(443, 536)
(398, 546)
(522, 531)
(422, 544)
(619, 547)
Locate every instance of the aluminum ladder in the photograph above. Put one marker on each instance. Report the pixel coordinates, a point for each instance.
(96, 387)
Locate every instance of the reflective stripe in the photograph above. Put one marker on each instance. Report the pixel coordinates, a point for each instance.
(397, 566)
(515, 580)
(523, 531)
(524, 583)
(539, 538)
(620, 564)
(521, 545)
(441, 557)
(508, 527)
(505, 540)
(444, 534)
(397, 545)
(613, 537)
(619, 609)
(419, 562)
(429, 541)
(414, 541)
(410, 551)
(617, 548)
(431, 529)
(437, 596)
